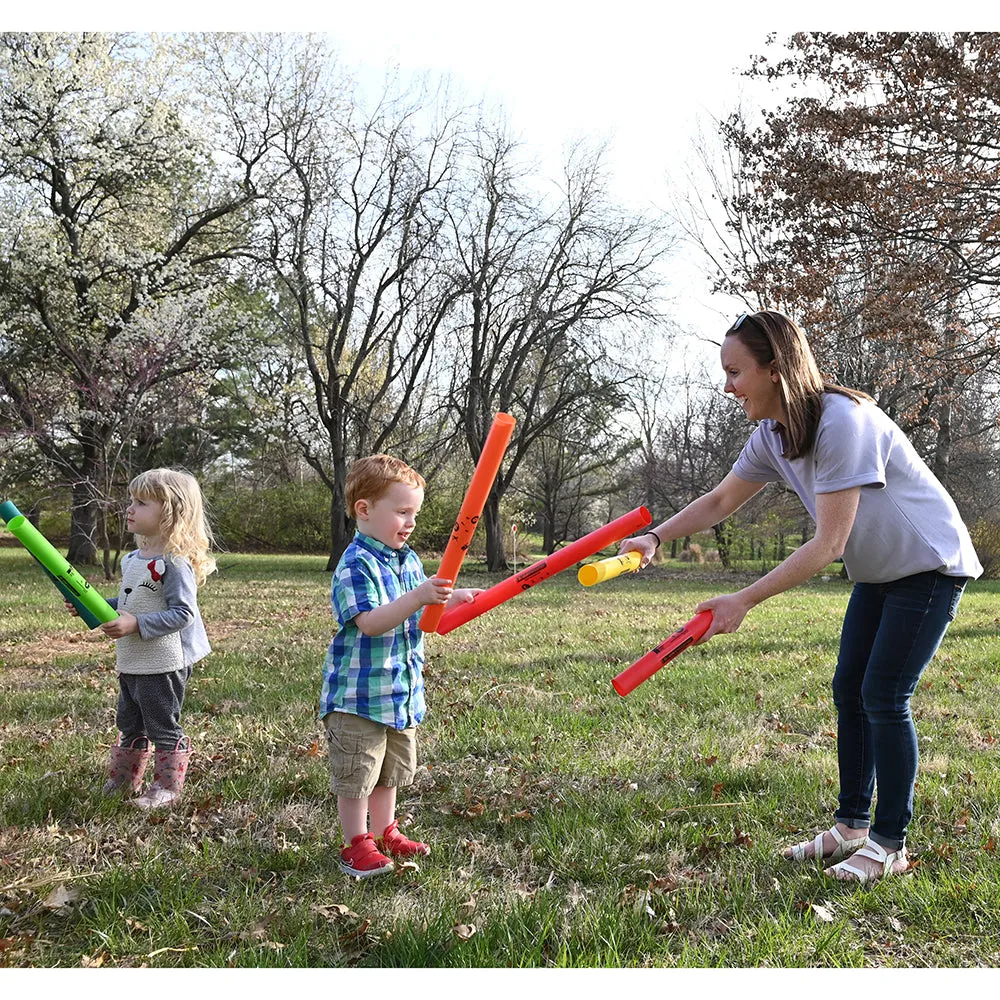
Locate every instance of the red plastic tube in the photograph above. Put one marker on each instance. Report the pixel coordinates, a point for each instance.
(612, 532)
(469, 513)
(659, 656)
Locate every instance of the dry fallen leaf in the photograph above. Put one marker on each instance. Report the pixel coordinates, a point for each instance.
(463, 931)
(821, 913)
(64, 899)
(358, 932)
(741, 839)
(468, 907)
(666, 884)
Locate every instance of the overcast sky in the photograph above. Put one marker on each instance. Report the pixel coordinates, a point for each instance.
(639, 80)
(618, 71)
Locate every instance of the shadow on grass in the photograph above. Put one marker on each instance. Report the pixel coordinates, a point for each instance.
(959, 631)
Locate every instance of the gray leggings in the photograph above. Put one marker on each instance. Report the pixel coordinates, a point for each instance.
(150, 705)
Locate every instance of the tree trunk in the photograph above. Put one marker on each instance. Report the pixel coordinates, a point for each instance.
(806, 529)
(496, 557)
(548, 532)
(102, 532)
(341, 531)
(724, 540)
(83, 525)
(942, 447)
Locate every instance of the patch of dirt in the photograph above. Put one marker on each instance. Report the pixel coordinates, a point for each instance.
(61, 644)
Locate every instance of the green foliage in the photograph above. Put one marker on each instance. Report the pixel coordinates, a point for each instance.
(292, 517)
(54, 524)
(986, 538)
(53, 521)
(437, 518)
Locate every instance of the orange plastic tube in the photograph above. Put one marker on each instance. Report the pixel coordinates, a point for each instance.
(612, 532)
(469, 513)
(659, 656)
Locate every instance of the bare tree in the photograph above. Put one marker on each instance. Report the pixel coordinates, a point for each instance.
(353, 238)
(573, 472)
(541, 284)
(865, 206)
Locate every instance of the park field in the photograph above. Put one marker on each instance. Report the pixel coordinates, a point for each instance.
(569, 827)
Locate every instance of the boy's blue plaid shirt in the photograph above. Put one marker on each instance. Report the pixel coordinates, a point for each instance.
(378, 677)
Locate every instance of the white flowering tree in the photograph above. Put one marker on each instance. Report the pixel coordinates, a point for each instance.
(119, 212)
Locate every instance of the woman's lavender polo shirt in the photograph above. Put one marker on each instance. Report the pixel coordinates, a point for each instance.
(379, 677)
(906, 521)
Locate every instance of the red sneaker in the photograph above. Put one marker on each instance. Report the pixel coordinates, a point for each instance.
(362, 859)
(394, 843)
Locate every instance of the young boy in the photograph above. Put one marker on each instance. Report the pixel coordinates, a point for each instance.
(373, 692)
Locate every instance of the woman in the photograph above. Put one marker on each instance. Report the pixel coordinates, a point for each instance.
(876, 504)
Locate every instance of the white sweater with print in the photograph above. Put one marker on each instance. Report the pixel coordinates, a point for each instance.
(162, 594)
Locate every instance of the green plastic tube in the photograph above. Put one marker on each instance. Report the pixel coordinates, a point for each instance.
(8, 511)
(77, 590)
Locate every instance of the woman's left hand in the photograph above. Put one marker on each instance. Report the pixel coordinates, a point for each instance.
(728, 612)
(462, 596)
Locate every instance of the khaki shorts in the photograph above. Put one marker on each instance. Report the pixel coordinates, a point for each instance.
(364, 754)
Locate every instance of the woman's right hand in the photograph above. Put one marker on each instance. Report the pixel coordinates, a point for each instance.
(643, 544)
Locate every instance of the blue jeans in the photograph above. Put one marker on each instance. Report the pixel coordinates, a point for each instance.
(891, 632)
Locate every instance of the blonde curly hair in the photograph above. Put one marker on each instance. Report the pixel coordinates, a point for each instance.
(184, 528)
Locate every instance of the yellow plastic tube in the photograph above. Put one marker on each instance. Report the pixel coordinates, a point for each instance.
(608, 569)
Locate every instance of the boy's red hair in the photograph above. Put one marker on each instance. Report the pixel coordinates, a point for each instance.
(369, 479)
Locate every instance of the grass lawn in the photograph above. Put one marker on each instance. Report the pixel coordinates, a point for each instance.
(570, 827)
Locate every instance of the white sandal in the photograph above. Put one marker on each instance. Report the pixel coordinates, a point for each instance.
(876, 852)
(843, 848)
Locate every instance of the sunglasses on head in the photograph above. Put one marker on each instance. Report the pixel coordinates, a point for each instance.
(739, 320)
